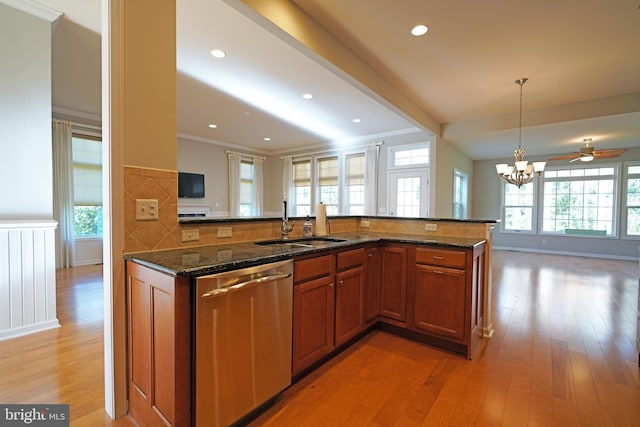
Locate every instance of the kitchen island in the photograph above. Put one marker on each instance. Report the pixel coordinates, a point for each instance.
(430, 289)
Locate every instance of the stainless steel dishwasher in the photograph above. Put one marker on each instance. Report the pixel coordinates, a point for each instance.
(243, 341)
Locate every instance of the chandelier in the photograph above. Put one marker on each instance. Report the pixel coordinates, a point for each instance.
(521, 172)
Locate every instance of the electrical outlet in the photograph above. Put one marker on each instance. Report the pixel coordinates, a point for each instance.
(431, 227)
(364, 224)
(190, 235)
(147, 209)
(224, 231)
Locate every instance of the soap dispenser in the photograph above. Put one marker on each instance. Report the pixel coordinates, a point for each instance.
(307, 228)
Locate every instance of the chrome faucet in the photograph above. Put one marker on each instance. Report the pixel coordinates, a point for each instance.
(287, 226)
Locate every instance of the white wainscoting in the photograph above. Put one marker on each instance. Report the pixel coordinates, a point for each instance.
(27, 277)
(87, 251)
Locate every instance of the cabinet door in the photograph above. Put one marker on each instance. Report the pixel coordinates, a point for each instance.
(159, 347)
(313, 321)
(439, 303)
(393, 286)
(372, 285)
(349, 291)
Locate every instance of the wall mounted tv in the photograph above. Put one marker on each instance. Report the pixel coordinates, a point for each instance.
(190, 185)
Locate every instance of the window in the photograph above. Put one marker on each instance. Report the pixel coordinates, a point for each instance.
(355, 184)
(302, 187)
(580, 201)
(633, 200)
(246, 188)
(518, 207)
(328, 184)
(402, 156)
(459, 194)
(87, 186)
(408, 177)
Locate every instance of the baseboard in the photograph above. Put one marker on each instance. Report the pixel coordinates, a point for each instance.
(27, 330)
(569, 253)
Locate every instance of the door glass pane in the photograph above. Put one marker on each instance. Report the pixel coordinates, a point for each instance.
(408, 197)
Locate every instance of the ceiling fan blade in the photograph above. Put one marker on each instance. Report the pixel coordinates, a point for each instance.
(573, 156)
(608, 154)
(574, 159)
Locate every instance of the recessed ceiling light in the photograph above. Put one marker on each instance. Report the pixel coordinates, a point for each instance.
(213, 125)
(307, 96)
(267, 139)
(356, 120)
(419, 30)
(217, 53)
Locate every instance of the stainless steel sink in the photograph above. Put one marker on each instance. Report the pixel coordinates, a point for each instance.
(309, 242)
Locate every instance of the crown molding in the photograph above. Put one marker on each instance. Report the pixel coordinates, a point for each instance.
(34, 8)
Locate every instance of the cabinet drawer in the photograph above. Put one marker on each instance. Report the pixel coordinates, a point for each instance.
(349, 259)
(443, 257)
(313, 268)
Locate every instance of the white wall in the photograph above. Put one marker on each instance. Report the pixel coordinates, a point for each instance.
(25, 116)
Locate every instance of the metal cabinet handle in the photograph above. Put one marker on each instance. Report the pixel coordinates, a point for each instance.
(331, 285)
(438, 257)
(238, 286)
(369, 254)
(438, 272)
(341, 282)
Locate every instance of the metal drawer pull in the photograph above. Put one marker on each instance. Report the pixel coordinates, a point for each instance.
(237, 286)
(438, 272)
(438, 257)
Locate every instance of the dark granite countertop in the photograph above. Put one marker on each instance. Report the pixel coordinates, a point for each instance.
(202, 260)
(189, 219)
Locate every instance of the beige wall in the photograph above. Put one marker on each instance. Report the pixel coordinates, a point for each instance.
(150, 80)
(449, 157)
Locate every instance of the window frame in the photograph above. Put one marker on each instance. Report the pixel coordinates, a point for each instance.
(624, 217)
(617, 200)
(462, 178)
(536, 201)
(86, 137)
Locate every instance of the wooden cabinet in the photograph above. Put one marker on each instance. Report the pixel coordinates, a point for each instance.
(372, 285)
(349, 295)
(393, 283)
(159, 350)
(446, 294)
(327, 304)
(313, 310)
(439, 301)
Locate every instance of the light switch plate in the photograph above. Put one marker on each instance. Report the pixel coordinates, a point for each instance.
(147, 209)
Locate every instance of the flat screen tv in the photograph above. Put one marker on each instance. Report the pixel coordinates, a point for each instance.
(190, 185)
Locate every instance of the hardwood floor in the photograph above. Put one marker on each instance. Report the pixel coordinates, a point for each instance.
(63, 365)
(563, 354)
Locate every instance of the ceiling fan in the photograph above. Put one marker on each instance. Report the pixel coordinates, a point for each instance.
(588, 153)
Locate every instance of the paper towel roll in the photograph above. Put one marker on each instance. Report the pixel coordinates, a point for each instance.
(321, 219)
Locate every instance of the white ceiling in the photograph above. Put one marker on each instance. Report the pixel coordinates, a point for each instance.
(581, 59)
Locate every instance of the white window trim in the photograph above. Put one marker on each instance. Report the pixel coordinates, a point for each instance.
(457, 172)
(536, 212)
(618, 176)
(315, 189)
(393, 149)
(623, 196)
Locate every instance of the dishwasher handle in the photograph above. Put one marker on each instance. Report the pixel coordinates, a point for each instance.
(238, 286)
